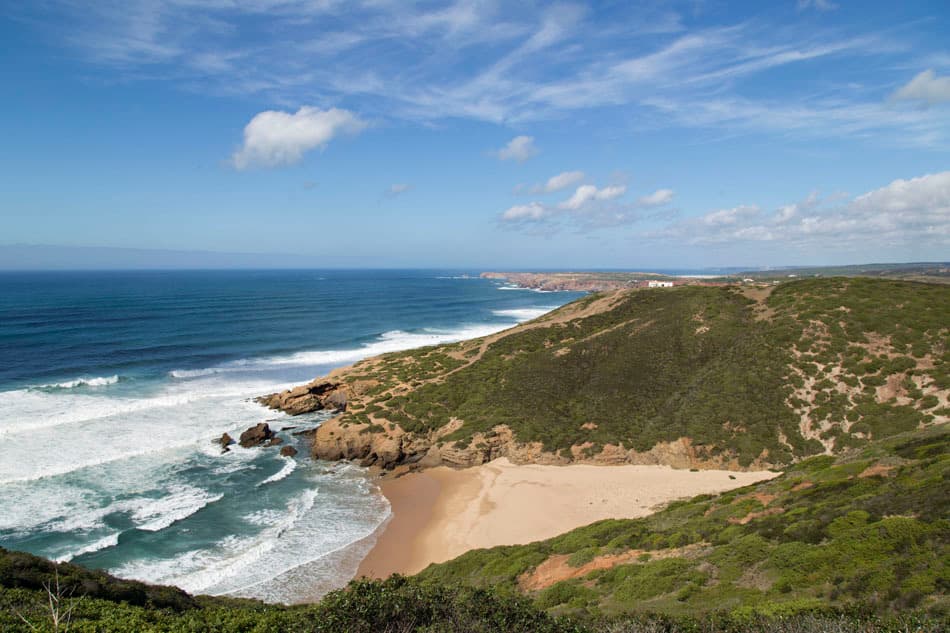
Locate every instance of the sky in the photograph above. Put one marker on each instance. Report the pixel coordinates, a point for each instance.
(480, 134)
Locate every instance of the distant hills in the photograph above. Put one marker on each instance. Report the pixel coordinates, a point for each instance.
(598, 281)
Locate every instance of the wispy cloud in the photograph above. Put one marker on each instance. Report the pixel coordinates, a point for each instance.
(926, 88)
(274, 138)
(657, 198)
(818, 5)
(519, 149)
(586, 194)
(397, 189)
(504, 63)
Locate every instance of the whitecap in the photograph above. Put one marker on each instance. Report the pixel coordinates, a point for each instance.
(179, 503)
(523, 314)
(393, 341)
(290, 464)
(108, 541)
(100, 381)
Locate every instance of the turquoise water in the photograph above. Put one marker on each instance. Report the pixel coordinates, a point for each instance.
(114, 384)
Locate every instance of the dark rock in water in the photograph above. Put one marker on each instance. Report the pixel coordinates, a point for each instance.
(256, 435)
(288, 428)
(225, 441)
(288, 451)
(274, 441)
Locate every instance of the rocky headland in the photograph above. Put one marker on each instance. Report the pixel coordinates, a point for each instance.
(697, 377)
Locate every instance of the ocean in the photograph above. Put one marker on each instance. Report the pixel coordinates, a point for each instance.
(113, 386)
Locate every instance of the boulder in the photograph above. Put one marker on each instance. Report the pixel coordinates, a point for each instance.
(274, 441)
(225, 441)
(318, 395)
(256, 435)
(336, 400)
(288, 451)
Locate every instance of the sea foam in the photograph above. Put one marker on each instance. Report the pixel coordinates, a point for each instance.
(100, 381)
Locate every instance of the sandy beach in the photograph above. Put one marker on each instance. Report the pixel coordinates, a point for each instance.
(441, 513)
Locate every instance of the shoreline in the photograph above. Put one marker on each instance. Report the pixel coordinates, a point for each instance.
(440, 513)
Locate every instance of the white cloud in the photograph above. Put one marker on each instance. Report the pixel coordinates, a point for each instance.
(274, 138)
(589, 193)
(657, 198)
(913, 212)
(926, 88)
(729, 216)
(531, 211)
(398, 188)
(818, 5)
(562, 181)
(520, 148)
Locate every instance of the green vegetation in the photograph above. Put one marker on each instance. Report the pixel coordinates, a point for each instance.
(835, 544)
(774, 373)
(866, 530)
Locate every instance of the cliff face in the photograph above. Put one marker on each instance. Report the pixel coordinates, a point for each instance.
(392, 447)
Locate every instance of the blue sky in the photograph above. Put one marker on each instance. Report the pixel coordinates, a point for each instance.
(481, 134)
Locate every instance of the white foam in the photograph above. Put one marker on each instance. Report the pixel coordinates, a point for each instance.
(523, 314)
(290, 464)
(109, 541)
(198, 570)
(394, 341)
(59, 434)
(180, 503)
(101, 381)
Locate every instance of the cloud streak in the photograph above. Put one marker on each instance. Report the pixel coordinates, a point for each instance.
(519, 149)
(493, 61)
(926, 88)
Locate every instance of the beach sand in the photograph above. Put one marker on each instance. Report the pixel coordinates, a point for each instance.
(441, 513)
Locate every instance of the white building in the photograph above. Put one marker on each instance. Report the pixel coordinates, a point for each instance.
(659, 284)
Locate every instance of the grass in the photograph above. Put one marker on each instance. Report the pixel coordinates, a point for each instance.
(838, 363)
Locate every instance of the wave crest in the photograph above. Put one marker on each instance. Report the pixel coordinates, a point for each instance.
(99, 381)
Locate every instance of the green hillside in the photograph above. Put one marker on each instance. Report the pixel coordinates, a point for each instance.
(772, 373)
(868, 530)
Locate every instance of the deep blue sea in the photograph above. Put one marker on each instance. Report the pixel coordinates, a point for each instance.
(113, 386)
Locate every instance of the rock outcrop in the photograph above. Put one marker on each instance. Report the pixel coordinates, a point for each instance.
(319, 395)
(288, 451)
(256, 435)
(225, 441)
(394, 447)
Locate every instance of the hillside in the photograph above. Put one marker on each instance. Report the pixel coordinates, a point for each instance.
(868, 529)
(734, 376)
